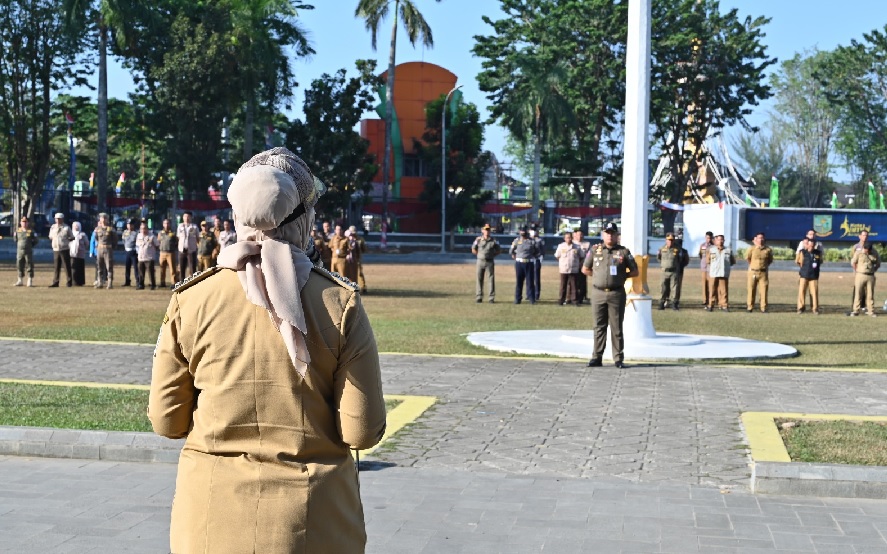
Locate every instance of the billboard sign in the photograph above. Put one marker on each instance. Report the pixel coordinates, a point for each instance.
(830, 225)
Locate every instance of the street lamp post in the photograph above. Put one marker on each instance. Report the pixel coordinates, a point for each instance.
(443, 171)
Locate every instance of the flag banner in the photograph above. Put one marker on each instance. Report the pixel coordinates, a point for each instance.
(69, 118)
(834, 200)
(873, 197)
(91, 180)
(774, 192)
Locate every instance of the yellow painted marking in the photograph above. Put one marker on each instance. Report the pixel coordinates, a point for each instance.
(408, 411)
(69, 341)
(765, 441)
(76, 384)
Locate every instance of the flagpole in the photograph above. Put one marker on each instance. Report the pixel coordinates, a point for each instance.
(73, 170)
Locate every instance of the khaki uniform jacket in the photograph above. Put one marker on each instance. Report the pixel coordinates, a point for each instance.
(866, 264)
(25, 241)
(167, 240)
(339, 246)
(105, 237)
(485, 249)
(60, 236)
(266, 466)
(759, 259)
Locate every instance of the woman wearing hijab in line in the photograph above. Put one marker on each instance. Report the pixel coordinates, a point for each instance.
(78, 248)
(268, 365)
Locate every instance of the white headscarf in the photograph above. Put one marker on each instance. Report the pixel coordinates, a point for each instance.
(269, 254)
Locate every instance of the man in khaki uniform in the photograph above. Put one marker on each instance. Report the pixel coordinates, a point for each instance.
(863, 237)
(321, 247)
(105, 240)
(206, 245)
(759, 258)
(25, 241)
(703, 265)
(720, 261)
(339, 252)
(167, 240)
(283, 358)
(609, 264)
(865, 263)
(361, 250)
(486, 248)
(672, 260)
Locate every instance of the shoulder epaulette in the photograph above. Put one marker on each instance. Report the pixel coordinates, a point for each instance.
(337, 278)
(195, 278)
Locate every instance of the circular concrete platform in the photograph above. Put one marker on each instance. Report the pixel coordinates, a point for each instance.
(660, 347)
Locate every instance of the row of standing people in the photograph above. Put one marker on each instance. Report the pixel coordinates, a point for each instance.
(341, 251)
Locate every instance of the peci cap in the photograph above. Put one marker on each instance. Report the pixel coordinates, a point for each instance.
(611, 228)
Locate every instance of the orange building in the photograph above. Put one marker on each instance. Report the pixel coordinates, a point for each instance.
(415, 85)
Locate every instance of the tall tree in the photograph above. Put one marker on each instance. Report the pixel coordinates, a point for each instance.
(262, 31)
(707, 69)
(104, 18)
(806, 120)
(37, 60)
(466, 162)
(326, 140)
(374, 12)
(587, 39)
(855, 78)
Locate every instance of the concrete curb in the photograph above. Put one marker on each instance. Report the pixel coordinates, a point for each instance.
(116, 446)
(811, 479)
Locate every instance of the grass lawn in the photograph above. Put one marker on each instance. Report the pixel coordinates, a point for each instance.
(835, 442)
(427, 309)
(75, 407)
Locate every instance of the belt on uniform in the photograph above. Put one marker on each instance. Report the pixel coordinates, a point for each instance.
(606, 289)
(523, 260)
(759, 270)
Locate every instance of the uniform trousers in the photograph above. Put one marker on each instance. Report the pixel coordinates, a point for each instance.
(719, 292)
(25, 260)
(146, 266)
(670, 289)
(706, 287)
(813, 286)
(537, 277)
(132, 262)
(757, 279)
(351, 269)
(865, 291)
(608, 309)
(61, 258)
(105, 263)
(167, 260)
(484, 268)
(205, 262)
(361, 280)
(581, 287)
(568, 292)
(524, 271)
(339, 265)
(78, 266)
(187, 261)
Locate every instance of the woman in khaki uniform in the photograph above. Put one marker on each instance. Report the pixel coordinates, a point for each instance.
(268, 365)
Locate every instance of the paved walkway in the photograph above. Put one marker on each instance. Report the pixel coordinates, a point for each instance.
(518, 456)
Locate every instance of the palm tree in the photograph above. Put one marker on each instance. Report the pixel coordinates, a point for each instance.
(110, 18)
(373, 12)
(543, 112)
(262, 30)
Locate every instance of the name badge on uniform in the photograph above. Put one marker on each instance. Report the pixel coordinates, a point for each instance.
(614, 270)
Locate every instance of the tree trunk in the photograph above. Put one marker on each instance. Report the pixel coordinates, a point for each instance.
(537, 162)
(389, 114)
(102, 142)
(248, 126)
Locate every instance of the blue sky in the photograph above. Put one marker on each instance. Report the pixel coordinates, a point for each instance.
(339, 39)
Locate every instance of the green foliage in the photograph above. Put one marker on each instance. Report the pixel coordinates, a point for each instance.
(835, 442)
(707, 70)
(466, 163)
(554, 72)
(39, 58)
(855, 78)
(326, 139)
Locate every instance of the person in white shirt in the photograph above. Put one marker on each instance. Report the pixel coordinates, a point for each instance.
(60, 236)
(187, 234)
(146, 246)
(78, 248)
(569, 262)
(227, 236)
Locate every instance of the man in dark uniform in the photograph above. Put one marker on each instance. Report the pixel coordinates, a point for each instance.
(672, 260)
(523, 251)
(168, 247)
(25, 241)
(537, 262)
(608, 264)
(486, 249)
(132, 254)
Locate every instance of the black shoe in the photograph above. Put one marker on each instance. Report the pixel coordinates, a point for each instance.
(765, 311)
(725, 309)
(517, 301)
(478, 300)
(126, 284)
(675, 307)
(595, 362)
(153, 287)
(53, 285)
(661, 306)
(140, 287)
(708, 308)
(749, 311)
(491, 301)
(620, 365)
